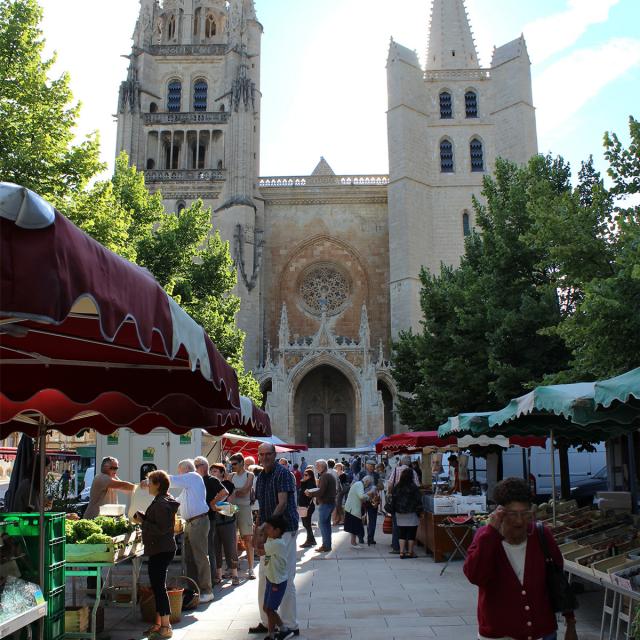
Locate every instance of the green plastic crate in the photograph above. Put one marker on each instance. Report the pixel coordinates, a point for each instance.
(54, 627)
(55, 602)
(54, 552)
(55, 577)
(26, 524)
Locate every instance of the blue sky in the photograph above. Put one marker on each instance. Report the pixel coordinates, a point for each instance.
(324, 77)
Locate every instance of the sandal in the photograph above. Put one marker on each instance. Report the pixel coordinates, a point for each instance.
(235, 581)
(154, 628)
(217, 581)
(411, 555)
(163, 632)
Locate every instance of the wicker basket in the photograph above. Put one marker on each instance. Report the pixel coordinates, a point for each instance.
(175, 593)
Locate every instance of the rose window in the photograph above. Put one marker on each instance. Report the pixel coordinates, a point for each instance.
(324, 288)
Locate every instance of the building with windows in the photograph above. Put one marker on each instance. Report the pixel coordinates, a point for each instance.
(328, 265)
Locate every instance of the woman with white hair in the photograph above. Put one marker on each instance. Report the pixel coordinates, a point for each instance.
(353, 509)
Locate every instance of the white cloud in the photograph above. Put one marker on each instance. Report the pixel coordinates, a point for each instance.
(567, 85)
(559, 31)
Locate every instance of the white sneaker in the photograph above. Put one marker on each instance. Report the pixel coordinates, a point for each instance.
(356, 546)
(206, 597)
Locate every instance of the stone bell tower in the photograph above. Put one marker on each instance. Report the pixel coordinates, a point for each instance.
(447, 124)
(189, 117)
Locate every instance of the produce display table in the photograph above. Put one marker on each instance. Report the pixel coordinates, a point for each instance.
(94, 569)
(460, 534)
(439, 541)
(22, 620)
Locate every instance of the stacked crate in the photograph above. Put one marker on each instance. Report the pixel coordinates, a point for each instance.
(25, 526)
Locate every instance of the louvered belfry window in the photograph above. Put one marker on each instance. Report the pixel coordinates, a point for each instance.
(174, 95)
(466, 226)
(200, 96)
(446, 106)
(446, 156)
(477, 155)
(471, 104)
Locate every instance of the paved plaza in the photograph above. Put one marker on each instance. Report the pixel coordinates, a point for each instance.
(365, 594)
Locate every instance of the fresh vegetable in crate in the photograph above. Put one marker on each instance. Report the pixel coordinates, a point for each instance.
(114, 526)
(82, 529)
(98, 538)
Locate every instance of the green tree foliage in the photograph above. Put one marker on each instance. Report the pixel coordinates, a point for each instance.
(604, 331)
(37, 116)
(193, 266)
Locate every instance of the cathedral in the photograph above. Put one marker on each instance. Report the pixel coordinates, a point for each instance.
(328, 265)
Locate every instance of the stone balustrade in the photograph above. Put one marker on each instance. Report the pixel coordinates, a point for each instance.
(323, 181)
(185, 175)
(458, 74)
(187, 117)
(187, 49)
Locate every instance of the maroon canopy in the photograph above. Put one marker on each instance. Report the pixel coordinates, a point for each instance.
(417, 440)
(90, 340)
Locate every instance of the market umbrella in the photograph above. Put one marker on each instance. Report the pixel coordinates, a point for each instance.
(418, 440)
(623, 389)
(89, 339)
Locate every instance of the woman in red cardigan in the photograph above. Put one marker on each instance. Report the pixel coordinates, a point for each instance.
(506, 561)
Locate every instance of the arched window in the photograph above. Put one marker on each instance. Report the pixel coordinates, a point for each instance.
(446, 106)
(466, 225)
(221, 108)
(471, 104)
(196, 21)
(174, 95)
(200, 95)
(446, 156)
(151, 163)
(477, 155)
(171, 31)
(180, 206)
(210, 27)
(153, 108)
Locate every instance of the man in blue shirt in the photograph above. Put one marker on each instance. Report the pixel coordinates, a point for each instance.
(276, 495)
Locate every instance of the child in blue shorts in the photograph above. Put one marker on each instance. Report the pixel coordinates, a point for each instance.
(276, 572)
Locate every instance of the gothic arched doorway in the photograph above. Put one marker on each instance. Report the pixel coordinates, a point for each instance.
(387, 401)
(325, 409)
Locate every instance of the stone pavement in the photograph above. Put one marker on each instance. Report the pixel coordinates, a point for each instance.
(350, 594)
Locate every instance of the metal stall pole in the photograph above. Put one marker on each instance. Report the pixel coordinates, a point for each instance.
(42, 450)
(553, 479)
(633, 481)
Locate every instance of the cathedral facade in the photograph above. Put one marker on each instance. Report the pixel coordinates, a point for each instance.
(328, 265)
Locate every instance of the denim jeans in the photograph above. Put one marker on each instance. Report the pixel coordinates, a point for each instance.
(324, 520)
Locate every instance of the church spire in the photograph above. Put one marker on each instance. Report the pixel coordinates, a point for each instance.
(451, 44)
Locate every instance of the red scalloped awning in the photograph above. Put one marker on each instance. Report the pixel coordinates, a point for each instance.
(417, 440)
(90, 340)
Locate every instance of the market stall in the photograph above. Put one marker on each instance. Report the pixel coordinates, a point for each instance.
(441, 530)
(90, 340)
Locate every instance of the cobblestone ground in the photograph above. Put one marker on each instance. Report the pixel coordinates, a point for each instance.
(350, 594)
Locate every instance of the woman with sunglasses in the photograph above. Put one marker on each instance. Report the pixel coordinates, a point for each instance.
(243, 483)
(514, 602)
(306, 507)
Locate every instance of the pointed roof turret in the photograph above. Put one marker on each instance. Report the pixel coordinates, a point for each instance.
(323, 169)
(451, 44)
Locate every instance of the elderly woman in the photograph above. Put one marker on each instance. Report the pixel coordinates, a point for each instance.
(511, 602)
(353, 509)
(407, 504)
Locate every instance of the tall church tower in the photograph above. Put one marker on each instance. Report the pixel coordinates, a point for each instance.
(447, 124)
(189, 116)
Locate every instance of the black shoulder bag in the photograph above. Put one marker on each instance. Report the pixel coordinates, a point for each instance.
(561, 593)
